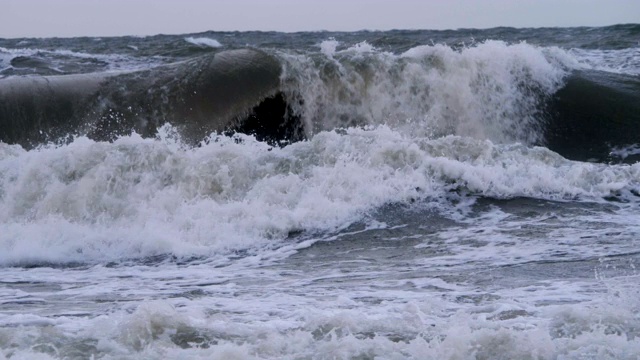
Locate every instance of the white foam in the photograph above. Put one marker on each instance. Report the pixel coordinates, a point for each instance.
(93, 201)
(283, 324)
(362, 48)
(491, 90)
(328, 47)
(204, 42)
(624, 152)
(622, 61)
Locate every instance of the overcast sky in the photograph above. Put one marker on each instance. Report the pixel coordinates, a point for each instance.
(48, 18)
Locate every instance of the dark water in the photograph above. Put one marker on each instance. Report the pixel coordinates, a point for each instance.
(467, 194)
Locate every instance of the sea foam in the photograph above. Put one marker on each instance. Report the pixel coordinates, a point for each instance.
(95, 201)
(491, 90)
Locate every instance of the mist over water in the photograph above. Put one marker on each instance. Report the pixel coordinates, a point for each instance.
(447, 195)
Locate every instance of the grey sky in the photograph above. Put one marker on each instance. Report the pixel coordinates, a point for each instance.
(47, 18)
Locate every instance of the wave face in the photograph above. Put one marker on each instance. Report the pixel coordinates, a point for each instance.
(200, 95)
(594, 113)
(405, 194)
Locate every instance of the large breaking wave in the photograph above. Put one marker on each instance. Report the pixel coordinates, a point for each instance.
(491, 90)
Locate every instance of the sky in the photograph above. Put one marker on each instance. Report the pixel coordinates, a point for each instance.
(67, 18)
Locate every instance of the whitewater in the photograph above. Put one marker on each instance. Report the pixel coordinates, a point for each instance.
(468, 194)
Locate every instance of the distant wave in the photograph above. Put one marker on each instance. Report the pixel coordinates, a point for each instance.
(203, 41)
(619, 61)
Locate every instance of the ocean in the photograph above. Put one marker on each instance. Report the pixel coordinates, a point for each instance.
(463, 194)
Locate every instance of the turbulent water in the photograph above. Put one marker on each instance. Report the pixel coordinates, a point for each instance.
(468, 194)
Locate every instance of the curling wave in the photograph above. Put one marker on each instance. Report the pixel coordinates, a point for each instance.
(492, 90)
(214, 93)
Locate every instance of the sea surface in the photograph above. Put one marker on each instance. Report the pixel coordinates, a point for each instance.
(467, 194)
